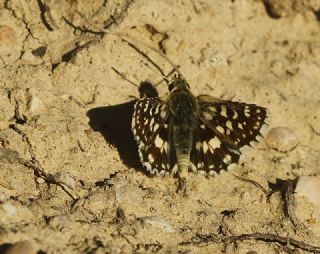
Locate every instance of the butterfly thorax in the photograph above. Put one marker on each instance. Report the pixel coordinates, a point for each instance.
(183, 121)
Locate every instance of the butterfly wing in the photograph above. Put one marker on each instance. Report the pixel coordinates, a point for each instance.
(210, 154)
(224, 128)
(236, 123)
(150, 129)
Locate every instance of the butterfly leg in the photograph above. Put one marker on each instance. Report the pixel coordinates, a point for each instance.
(183, 168)
(182, 186)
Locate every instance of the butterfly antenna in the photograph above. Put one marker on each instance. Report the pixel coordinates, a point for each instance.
(145, 56)
(160, 75)
(198, 73)
(121, 35)
(165, 79)
(122, 75)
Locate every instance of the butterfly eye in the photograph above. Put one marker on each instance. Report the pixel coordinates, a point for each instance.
(171, 86)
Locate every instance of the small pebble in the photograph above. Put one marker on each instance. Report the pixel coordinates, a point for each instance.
(309, 187)
(40, 180)
(281, 139)
(159, 223)
(22, 247)
(35, 104)
(29, 57)
(13, 212)
(128, 193)
(9, 209)
(98, 202)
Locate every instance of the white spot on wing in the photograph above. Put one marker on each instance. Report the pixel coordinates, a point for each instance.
(229, 124)
(150, 158)
(247, 111)
(205, 147)
(227, 159)
(151, 121)
(235, 115)
(220, 129)
(257, 126)
(148, 166)
(207, 116)
(223, 111)
(213, 109)
(163, 112)
(158, 141)
(157, 110)
(215, 143)
(155, 127)
(165, 147)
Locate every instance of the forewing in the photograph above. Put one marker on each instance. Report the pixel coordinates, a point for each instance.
(224, 128)
(236, 124)
(150, 129)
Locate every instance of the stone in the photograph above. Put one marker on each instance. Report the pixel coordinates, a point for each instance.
(282, 139)
(159, 223)
(128, 192)
(30, 58)
(309, 187)
(12, 211)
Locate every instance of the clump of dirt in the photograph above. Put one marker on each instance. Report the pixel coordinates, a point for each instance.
(70, 176)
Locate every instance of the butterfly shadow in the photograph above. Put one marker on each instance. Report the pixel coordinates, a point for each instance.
(114, 123)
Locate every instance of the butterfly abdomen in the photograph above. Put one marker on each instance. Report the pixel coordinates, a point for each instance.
(183, 122)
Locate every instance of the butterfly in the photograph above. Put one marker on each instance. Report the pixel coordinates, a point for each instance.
(183, 132)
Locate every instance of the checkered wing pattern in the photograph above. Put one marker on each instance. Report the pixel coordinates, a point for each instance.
(150, 129)
(224, 128)
(209, 154)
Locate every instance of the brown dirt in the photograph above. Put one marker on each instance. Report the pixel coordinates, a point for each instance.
(70, 179)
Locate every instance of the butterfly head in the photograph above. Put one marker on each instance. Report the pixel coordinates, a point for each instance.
(178, 83)
(147, 90)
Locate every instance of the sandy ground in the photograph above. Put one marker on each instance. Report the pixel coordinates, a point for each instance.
(70, 178)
